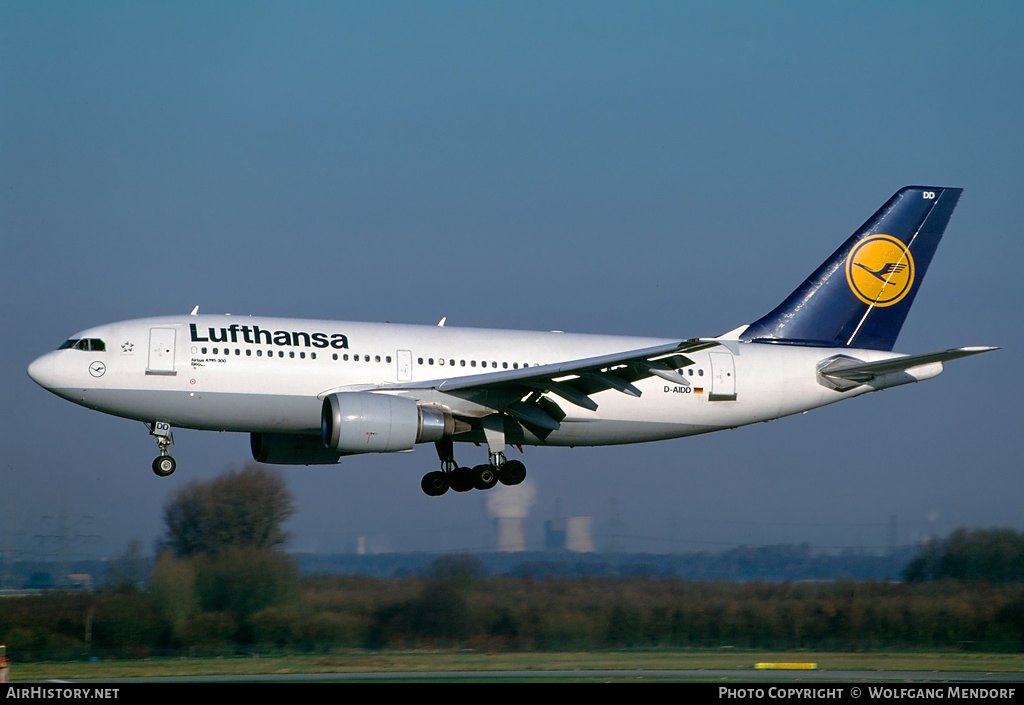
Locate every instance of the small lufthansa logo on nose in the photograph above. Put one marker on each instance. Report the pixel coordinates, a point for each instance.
(880, 270)
(97, 369)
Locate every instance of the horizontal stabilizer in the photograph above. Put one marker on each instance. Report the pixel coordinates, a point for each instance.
(845, 372)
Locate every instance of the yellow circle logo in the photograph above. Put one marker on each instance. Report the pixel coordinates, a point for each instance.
(880, 270)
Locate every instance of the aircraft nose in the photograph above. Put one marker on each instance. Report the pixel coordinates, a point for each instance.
(41, 371)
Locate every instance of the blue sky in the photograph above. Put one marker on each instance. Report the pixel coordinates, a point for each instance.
(662, 169)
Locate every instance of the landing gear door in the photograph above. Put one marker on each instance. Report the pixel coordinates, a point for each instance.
(161, 351)
(723, 377)
(404, 365)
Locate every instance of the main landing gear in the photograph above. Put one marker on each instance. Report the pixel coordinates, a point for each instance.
(464, 479)
(163, 464)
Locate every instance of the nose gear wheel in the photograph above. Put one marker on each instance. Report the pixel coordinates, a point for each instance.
(163, 464)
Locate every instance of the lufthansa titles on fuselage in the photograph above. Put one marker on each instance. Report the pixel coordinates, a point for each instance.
(257, 336)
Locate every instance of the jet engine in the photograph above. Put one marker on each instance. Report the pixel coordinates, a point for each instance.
(365, 422)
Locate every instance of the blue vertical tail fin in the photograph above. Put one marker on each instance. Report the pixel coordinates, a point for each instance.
(860, 296)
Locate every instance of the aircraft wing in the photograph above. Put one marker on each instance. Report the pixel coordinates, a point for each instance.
(520, 392)
(846, 373)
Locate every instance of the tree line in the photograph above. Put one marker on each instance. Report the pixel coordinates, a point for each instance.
(465, 610)
(990, 555)
(222, 584)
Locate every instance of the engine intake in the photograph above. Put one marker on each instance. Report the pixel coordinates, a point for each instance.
(365, 422)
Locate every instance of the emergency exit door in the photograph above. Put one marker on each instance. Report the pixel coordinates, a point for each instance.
(723, 377)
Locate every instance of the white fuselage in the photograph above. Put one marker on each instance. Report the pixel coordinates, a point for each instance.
(270, 375)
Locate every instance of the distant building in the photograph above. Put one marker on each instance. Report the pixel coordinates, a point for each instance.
(579, 537)
(574, 534)
(511, 534)
(554, 535)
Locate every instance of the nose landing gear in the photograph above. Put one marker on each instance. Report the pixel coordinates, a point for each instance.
(163, 464)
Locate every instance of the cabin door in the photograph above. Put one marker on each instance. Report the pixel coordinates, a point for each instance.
(161, 351)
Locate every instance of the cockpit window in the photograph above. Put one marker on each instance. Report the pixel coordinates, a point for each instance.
(94, 344)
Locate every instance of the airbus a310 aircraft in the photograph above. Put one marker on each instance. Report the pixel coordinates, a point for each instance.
(309, 392)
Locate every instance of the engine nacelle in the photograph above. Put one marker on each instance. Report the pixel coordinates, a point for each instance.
(365, 422)
(287, 449)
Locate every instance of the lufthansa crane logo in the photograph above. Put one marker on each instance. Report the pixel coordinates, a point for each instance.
(880, 270)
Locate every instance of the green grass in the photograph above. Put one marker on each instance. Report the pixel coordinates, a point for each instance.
(412, 661)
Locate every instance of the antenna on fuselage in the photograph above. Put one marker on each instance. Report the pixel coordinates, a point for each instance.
(440, 324)
(195, 310)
